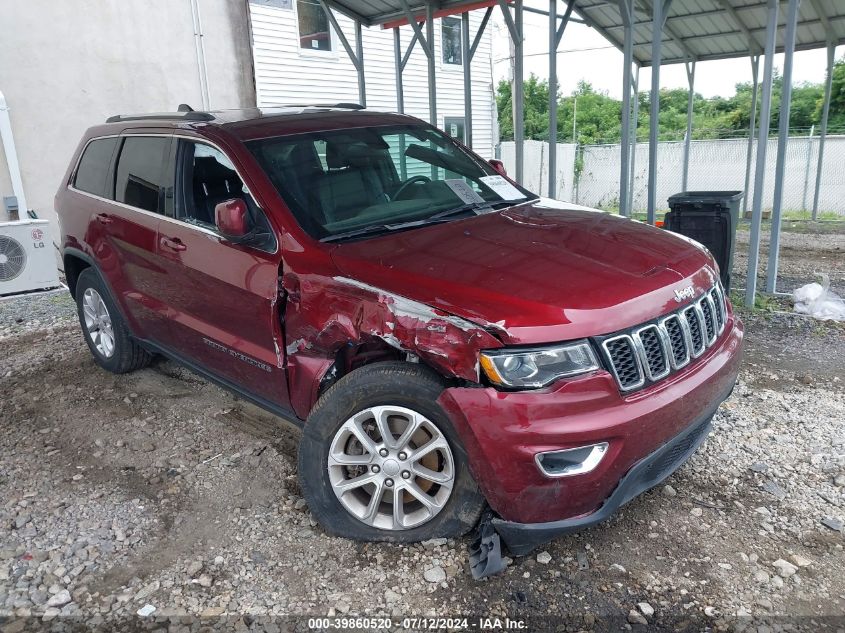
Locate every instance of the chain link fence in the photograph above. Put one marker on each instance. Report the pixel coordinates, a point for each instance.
(589, 174)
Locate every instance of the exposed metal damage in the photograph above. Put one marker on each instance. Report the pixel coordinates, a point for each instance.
(327, 318)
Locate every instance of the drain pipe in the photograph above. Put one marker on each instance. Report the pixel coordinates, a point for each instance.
(198, 41)
(11, 154)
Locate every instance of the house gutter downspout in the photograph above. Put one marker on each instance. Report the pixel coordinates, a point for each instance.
(11, 154)
(198, 41)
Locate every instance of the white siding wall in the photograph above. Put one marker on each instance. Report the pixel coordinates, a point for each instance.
(286, 73)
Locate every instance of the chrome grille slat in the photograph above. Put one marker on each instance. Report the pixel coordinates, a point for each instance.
(695, 322)
(651, 346)
(624, 362)
(678, 340)
(708, 312)
(718, 298)
(650, 352)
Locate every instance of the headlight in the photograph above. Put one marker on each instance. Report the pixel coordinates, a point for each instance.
(538, 367)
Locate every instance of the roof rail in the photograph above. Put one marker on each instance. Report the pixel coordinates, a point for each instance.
(342, 106)
(182, 115)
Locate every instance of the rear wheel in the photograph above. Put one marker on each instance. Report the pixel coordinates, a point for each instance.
(379, 459)
(104, 329)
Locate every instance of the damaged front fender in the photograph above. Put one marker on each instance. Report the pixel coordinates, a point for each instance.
(324, 314)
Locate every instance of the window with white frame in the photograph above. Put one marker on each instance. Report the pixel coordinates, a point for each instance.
(314, 29)
(451, 29)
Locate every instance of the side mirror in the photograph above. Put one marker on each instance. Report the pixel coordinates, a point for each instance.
(498, 165)
(231, 218)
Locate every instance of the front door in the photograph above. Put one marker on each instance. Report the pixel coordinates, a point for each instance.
(222, 295)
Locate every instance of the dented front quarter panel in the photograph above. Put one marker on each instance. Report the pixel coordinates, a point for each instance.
(326, 311)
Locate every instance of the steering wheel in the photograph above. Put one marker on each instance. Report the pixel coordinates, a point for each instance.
(412, 180)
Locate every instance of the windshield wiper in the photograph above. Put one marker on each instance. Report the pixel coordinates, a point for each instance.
(374, 229)
(478, 207)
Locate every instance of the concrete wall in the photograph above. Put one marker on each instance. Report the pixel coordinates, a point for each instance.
(716, 165)
(67, 65)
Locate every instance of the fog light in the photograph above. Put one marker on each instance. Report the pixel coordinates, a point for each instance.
(572, 461)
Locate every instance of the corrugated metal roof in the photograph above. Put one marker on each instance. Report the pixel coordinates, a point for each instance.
(695, 29)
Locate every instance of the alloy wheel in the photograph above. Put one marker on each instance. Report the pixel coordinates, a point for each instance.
(391, 467)
(98, 322)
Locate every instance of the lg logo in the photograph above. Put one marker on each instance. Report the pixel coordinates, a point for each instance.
(37, 238)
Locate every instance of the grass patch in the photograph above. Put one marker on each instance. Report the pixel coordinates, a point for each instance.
(763, 302)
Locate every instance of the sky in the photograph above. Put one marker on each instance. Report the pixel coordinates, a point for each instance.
(585, 54)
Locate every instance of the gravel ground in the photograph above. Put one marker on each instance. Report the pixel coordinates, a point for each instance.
(157, 489)
(805, 250)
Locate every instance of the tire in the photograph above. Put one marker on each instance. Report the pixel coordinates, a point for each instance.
(399, 387)
(117, 353)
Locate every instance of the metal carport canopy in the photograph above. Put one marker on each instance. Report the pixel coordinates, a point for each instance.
(649, 33)
(695, 29)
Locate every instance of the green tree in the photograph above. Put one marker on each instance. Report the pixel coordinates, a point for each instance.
(599, 116)
(837, 98)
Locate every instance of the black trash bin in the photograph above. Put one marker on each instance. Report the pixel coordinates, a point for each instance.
(709, 217)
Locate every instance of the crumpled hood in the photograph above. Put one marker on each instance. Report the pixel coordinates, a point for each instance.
(535, 273)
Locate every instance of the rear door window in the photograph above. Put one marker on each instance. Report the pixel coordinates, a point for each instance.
(93, 169)
(140, 174)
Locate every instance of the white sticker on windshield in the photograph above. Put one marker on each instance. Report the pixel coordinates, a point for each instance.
(502, 188)
(466, 193)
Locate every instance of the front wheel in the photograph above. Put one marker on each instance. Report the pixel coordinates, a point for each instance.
(380, 461)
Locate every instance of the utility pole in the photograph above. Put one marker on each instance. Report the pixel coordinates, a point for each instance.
(574, 118)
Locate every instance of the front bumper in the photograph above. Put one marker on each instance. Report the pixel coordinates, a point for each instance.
(503, 431)
(521, 538)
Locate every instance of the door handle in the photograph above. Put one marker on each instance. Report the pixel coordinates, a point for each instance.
(104, 218)
(173, 243)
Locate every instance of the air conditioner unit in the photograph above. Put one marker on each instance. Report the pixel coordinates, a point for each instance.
(27, 261)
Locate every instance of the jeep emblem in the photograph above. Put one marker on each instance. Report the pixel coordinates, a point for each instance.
(684, 293)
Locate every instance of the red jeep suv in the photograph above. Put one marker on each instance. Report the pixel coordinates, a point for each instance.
(446, 339)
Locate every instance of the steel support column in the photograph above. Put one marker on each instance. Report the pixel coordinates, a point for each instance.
(400, 94)
(359, 45)
(519, 110)
(658, 16)
(468, 49)
(690, 68)
(432, 68)
(467, 62)
(398, 66)
(755, 67)
(634, 127)
(553, 98)
(762, 142)
(427, 43)
(555, 35)
(626, 9)
(783, 139)
(357, 59)
(831, 48)
(514, 24)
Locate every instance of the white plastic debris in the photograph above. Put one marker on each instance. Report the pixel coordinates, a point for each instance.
(819, 301)
(146, 610)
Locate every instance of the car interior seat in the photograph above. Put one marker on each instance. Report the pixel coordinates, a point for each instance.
(213, 183)
(351, 182)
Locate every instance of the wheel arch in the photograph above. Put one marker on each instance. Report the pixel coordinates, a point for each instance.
(77, 262)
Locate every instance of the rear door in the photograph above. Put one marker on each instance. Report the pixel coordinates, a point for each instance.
(222, 296)
(124, 232)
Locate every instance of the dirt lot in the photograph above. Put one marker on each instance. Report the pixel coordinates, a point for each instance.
(806, 248)
(157, 488)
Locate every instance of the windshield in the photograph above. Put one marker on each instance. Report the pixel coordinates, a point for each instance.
(343, 184)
